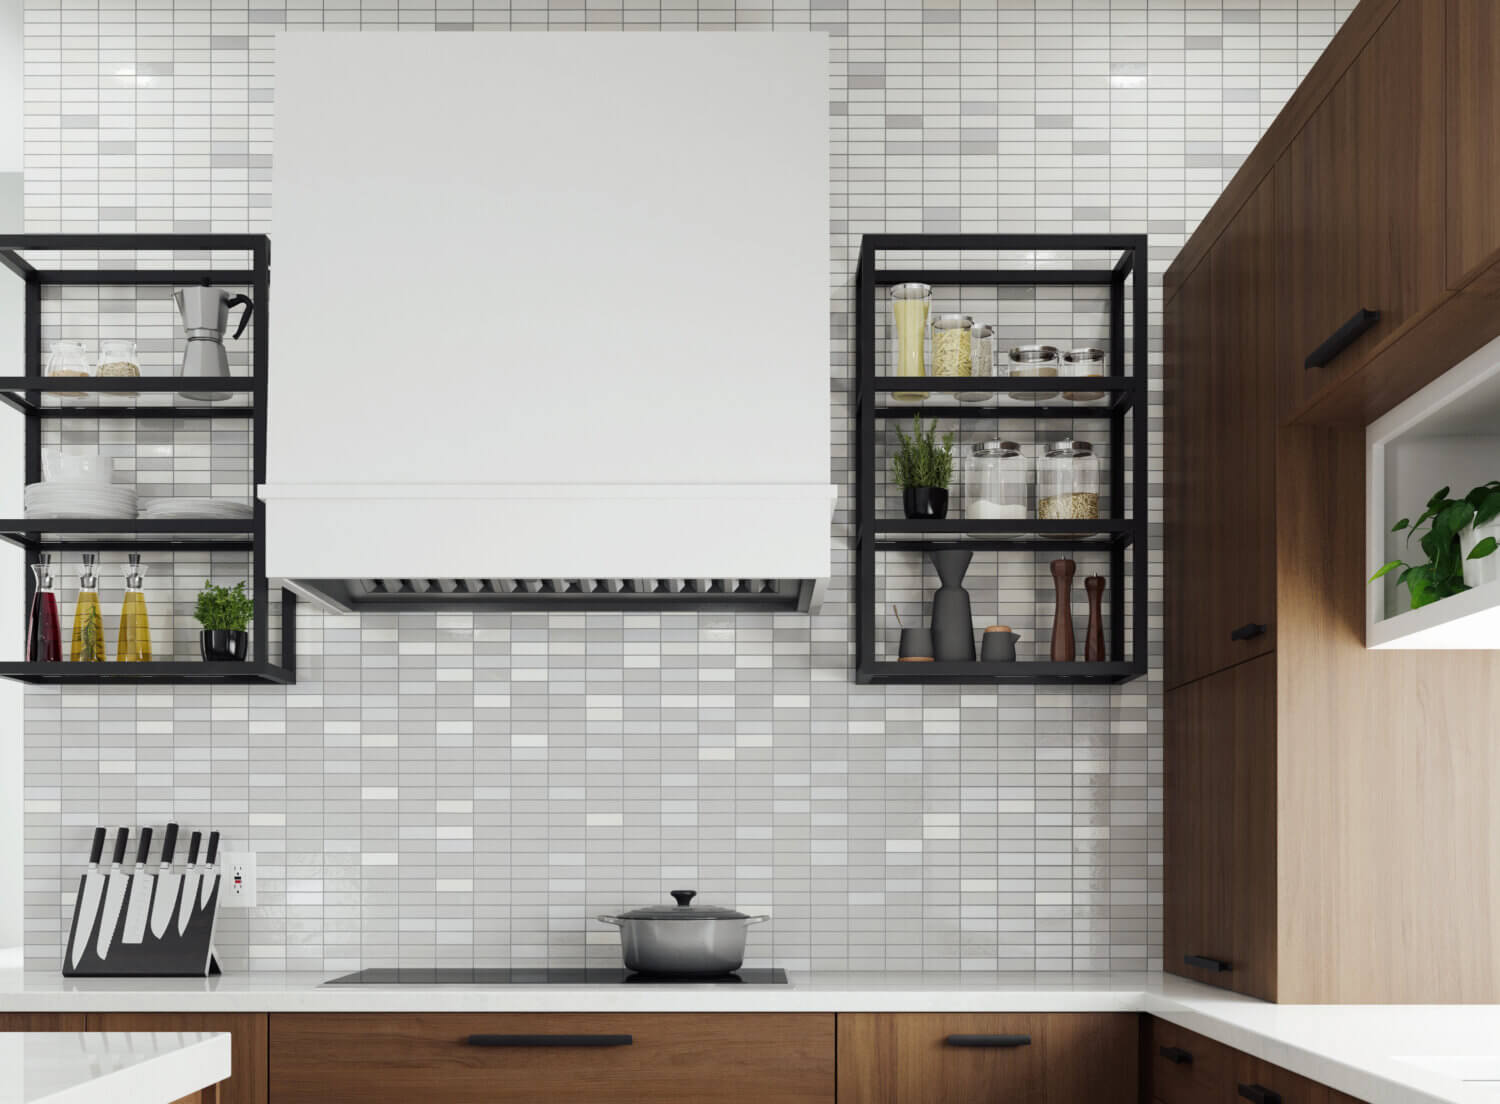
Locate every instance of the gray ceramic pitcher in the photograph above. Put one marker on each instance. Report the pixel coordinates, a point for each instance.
(952, 621)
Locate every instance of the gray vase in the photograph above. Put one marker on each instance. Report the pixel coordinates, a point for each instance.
(952, 621)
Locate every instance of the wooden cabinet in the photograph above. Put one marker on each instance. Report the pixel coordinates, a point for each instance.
(1219, 829)
(558, 1058)
(1187, 1068)
(1472, 137)
(1278, 1086)
(923, 1058)
(41, 1021)
(248, 1048)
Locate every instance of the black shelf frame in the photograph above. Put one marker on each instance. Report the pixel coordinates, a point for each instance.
(1126, 389)
(24, 394)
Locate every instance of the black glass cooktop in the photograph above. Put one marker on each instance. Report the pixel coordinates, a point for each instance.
(579, 975)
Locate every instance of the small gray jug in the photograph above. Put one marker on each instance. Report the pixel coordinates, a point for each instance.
(952, 622)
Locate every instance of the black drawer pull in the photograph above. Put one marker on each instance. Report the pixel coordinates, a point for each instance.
(1260, 1094)
(988, 1040)
(1247, 632)
(1342, 338)
(1177, 1056)
(551, 1040)
(1217, 965)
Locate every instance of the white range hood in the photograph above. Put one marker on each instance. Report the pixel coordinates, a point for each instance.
(551, 320)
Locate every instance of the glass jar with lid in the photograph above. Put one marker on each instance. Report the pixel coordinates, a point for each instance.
(1067, 482)
(981, 361)
(117, 360)
(952, 345)
(997, 482)
(1084, 362)
(1032, 361)
(910, 306)
(67, 358)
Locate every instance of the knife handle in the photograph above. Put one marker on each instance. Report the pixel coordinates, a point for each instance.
(193, 841)
(169, 845)
(97, 851)
(145, 847)
(213, 847)
(122, 840)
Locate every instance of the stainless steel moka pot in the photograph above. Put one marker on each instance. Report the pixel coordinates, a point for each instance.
(205, 317)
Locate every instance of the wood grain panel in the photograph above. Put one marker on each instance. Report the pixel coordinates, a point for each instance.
(1291, 1088)
(903, 1059)
(1206, 1074)
(1388, 855)
(1472, 137)
(1220, 827)
(247, 1083)
(42, 1021)
(386, 1059)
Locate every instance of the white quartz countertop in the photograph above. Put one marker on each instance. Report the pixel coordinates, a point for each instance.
(121, 1067)
(1357, 1049)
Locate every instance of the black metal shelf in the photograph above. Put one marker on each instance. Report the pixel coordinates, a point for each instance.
(1002, 673)
(166, 672)
(24, 393)
(1125, 388)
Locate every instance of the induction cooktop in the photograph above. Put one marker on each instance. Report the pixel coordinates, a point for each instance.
(562, 975)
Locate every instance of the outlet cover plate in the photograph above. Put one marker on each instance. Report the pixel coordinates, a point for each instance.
(237, 890)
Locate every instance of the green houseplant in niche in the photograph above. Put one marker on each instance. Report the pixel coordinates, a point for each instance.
(224, 613)
(923, 470)
(1457, 536)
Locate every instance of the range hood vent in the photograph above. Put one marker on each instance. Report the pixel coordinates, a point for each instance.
(353, 595)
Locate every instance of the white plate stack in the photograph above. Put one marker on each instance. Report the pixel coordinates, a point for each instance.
(61, 498)
(196, 509)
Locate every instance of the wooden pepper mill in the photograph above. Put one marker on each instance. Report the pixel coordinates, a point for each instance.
(1093, 641)
(1062, 619)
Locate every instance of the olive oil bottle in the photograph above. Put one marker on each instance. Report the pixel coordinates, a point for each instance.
(135, 626)
(88, 622)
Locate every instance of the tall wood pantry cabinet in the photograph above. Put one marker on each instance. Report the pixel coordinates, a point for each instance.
(1331, 825)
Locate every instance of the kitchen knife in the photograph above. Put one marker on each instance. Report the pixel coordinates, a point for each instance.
(139, 909)
(88, 904)
(167, 885)
(189, 883)
(114, 895)
(206, 885)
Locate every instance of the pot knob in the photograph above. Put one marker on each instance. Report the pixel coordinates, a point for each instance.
(684, 897)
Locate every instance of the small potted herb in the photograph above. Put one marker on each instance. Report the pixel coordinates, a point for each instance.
(224, 613)
(923, 469)
(1459, 533)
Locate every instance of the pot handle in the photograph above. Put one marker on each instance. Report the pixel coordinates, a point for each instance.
(755, 920)
(615, 920)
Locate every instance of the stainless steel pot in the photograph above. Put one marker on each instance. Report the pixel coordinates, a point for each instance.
(685, 940)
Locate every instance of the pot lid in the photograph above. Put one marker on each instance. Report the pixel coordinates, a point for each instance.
(683, 910)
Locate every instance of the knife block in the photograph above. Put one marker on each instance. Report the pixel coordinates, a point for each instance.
(188, 952)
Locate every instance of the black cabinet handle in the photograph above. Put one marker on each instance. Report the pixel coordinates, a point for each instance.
(1342, 338)
(1259, 1094)
(1177, 1056)
(988, 1040)
(1217, 965)
(550, 1040)
(1247, 632)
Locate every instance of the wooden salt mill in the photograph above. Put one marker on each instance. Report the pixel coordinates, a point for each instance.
(1093, 641)
(1062, 618)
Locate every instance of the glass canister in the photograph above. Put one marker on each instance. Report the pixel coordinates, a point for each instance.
(1032, 361)
(117, 360)
(981, 361)
(952, 345)
(1088, 363)
(910, 306)
(67, 358)
(997, 482)
(1067, 482)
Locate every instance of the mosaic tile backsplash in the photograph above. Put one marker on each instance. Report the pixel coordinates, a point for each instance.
(473, 788)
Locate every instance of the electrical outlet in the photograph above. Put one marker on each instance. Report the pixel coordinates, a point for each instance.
(237, 888)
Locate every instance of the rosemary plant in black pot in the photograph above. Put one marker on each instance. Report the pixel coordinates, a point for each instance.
(923, 469)
(224, 613)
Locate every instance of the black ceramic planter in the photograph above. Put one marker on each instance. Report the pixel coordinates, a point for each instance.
(218, 645)
(925, 502)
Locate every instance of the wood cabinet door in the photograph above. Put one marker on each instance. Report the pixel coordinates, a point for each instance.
(247, 1083)
(1188, 1068)
(1219, 829)
(1288, 1087)
(934, 1058)
(42, 1021)
(1472, 137)
(459, 1058)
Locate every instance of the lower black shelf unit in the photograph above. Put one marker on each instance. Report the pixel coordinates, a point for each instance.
(1123, 408)
(38, 399)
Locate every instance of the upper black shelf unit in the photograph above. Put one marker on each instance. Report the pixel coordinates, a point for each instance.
(1125, 396)
(246, 398)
